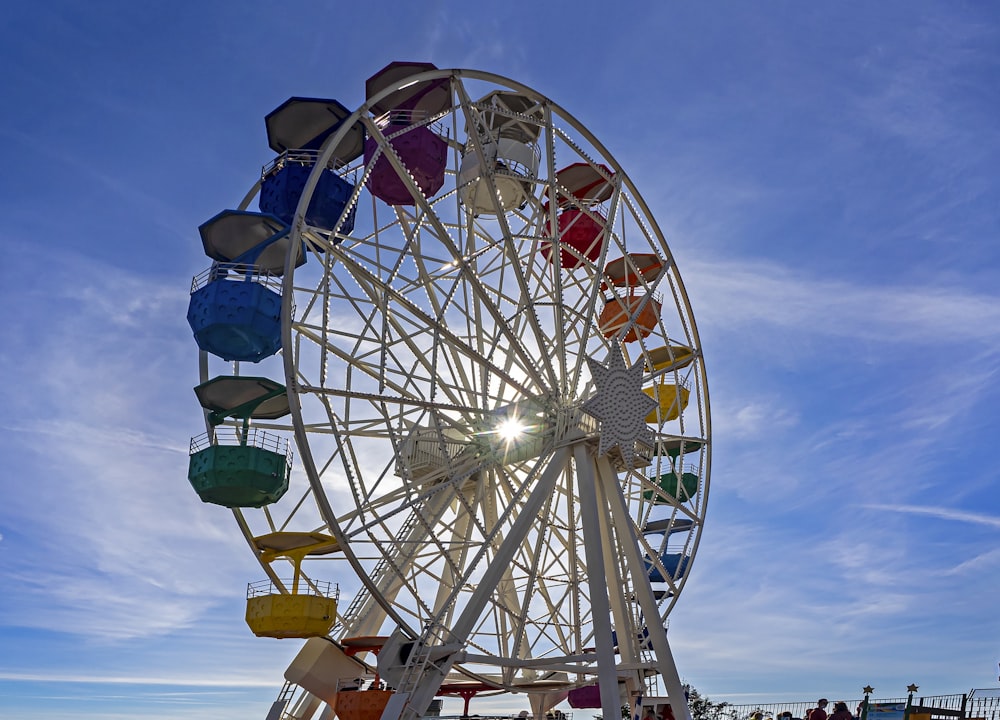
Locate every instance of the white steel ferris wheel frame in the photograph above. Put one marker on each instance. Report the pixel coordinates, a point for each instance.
(517, 562)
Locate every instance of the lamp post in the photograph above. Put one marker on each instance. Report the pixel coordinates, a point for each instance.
(867, 690)
(910, 689)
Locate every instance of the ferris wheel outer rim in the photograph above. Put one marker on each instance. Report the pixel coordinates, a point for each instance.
(302, 440)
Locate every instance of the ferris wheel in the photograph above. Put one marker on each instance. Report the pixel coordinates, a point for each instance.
(455, 306)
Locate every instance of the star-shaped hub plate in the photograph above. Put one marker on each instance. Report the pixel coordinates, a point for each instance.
(620, 405)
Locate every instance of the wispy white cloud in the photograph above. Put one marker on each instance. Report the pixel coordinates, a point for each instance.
(942, 513)
(67, 431)
(178, 680)
(984, 562)
(108, 505)
(763, 296)
(798, 400)
(753, 416)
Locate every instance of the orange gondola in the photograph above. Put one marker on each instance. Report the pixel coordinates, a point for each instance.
(639, 313)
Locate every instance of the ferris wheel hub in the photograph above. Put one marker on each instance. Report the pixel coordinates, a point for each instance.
(621, 405)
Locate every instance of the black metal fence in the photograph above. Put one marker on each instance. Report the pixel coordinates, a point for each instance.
(974, 704)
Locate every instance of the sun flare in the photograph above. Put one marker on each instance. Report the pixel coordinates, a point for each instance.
(510, 429)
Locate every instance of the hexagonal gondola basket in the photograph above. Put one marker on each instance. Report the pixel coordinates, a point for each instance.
(310, 611)
(670, 488)
(235, 312)
(282, 183)
(237, 469)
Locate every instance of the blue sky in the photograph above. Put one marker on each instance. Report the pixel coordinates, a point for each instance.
(825, 173)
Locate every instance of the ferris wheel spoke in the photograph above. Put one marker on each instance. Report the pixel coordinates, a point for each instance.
(421, 318)
(430, 531)
(662, 498)
(589, 298)
(390, 573)
(544, 571)
(377, 338)
(460, 534)
(509, 249)
(506, 597)
(519, 641)
(507, 549)
(407, 338)
(444, 237)
(291, 513)
(522, 645)
(407, 401)
(383, 375)
(440, 297)
(455, 557)
(551, 223)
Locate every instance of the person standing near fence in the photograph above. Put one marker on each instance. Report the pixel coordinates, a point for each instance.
(818, 712)
(840, 712)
